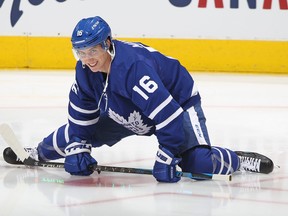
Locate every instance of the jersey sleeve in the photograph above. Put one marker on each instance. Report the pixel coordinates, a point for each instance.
(149, 94)
(83, 111)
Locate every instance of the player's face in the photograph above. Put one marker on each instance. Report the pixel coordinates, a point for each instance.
(96, 58)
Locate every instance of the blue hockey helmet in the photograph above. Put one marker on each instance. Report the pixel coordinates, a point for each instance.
(90, 32)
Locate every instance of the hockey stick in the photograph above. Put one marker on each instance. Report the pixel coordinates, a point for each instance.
(11, 139)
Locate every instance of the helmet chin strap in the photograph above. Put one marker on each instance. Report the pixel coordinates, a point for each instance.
(104, 94)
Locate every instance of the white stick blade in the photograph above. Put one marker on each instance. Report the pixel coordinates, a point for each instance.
(12, 141)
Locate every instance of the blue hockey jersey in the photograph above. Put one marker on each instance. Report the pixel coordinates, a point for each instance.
(147, 93)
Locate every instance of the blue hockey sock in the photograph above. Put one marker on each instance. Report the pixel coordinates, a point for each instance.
(197, 160)
(206, 159)
(225, 161)
(52, 147)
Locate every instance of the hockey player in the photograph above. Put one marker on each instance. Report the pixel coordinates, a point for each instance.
(123, 89)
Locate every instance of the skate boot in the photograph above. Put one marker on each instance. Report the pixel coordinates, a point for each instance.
(254, 162)
(11, 158)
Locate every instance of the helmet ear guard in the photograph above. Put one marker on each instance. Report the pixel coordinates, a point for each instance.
(106, 46)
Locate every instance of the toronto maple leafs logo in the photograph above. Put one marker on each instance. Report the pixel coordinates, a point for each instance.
(133, 123)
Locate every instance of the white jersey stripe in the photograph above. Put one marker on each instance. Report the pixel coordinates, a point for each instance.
(160, 107)
(196, 126)
(230, 162)
(55, 144)
(83, 123)
(66, 133)
(168, 120)
(78, 109)
(222, 160)
(194, 90)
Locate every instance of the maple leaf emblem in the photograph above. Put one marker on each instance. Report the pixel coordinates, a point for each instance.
(133, 123)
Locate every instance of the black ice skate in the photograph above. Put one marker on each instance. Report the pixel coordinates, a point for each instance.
(11, 158)
(255, 162)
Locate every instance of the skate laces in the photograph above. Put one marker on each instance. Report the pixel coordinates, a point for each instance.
(250, 163)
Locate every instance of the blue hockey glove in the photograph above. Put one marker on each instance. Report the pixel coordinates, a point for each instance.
(164, 169)
(78, 160)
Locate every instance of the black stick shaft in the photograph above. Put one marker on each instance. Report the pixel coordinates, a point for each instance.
(98, 168)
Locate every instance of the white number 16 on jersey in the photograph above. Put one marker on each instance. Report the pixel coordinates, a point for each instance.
(147, 86)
